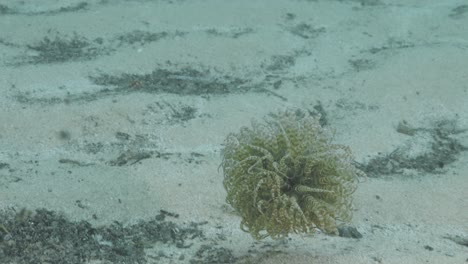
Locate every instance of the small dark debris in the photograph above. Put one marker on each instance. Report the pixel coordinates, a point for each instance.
(196, 154)
(5, 10)
(290, 16)
(428, 248)
(81, 6)
(362, 64)
(369, 2)
(281, 62)
(80, 204)
(166, 213)
(74, 162)
(9, 44)
(232, 33)
(172, 113)
(277, 84)
(122, 136)
(354, 106)
(129, 158)
(93, 147)
(323, 119)
(392, 44)
(78, 7)
(183, 114)
(72, 8)
(141, 37)
(240, 32)
(459, 11)
(463, 241)
(405, 128)
(4, 165)
(306, 31)
(208, 254)
(25, 98)
(349, 231)
(195, 157)
(64, 135)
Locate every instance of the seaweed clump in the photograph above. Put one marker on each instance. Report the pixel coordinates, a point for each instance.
(284, 176)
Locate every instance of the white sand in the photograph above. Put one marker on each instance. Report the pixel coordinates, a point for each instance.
(417, 72)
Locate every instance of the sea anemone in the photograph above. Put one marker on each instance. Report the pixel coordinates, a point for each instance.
(284, 176)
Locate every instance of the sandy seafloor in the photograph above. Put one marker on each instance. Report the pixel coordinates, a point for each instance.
(111, 111)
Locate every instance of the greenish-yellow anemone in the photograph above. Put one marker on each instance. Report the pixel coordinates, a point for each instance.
(283, 175)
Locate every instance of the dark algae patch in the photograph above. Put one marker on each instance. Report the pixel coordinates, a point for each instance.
(45, 236)
(443, 149)
(184, 81)
(64, 48)
(459, 11)
(180, 81)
